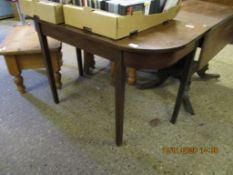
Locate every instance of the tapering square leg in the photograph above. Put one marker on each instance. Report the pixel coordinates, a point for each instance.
(119, 98)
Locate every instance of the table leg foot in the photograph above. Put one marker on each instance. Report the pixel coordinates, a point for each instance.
(187, 105)
(202, 73)
(19, 83)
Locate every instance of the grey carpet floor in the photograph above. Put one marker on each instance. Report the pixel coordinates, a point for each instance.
(76, 137)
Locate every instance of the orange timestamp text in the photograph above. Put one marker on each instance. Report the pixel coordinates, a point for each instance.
(190, 150)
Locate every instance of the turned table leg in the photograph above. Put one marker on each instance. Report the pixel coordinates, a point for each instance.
(14, 70)
(57, 63)
(132, 78)
(89, 62)
(57, 76)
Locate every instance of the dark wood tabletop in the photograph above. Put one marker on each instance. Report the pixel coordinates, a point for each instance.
(194, 19)
(158, 47)
(203, 13)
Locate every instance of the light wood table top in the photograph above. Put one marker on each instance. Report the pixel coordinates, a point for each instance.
(24, 39)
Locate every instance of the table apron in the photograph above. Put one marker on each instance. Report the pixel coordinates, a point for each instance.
(92, 46)
(111, 52)
(158, 60)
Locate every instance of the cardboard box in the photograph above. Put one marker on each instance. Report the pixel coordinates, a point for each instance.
(26, 7)
(97, 21)
(112, 25)
(47, 11)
